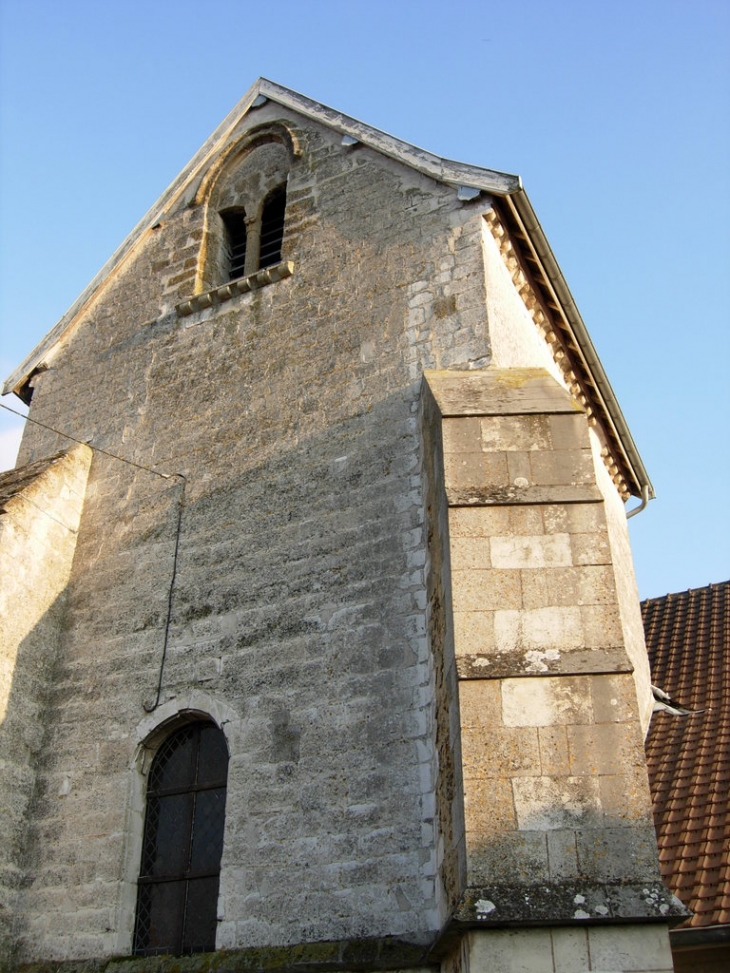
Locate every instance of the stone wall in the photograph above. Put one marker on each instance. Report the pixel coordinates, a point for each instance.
(39, 519)
(397, 600)
(299, 597)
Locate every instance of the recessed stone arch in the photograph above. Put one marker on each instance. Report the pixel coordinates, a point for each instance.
(236, 189)
(150, 733)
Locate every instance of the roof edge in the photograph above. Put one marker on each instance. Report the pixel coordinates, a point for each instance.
(522, 209)
(443, 170)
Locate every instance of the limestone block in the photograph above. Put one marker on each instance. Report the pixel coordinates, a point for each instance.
(568, 431)
(546, 701)
(578, 518)
(554, 754)
(474, 631)
(611, 748)
(515, 857)
(556, 587)
(466, 470)
(511, 951)
(543, 551)
(625, 798)
(524, 521)
(507, 433)
(617, 854)
(518, 468)
(479, 521)
(613, 698)
(545, 804)
(485, 590)
(567, 467)
(590, 548)
(488, 808)
(471, 553)
(570, 950)
(631, 949)
(480, 703)
(562, 855)
(542, 630)
(461, 435)
(601, 626)
(499, 752)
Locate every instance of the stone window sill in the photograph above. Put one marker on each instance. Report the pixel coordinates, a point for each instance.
(234, 287)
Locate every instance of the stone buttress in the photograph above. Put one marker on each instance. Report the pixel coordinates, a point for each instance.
(555, 832)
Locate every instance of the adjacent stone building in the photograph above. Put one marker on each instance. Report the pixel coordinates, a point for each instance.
(340, 665)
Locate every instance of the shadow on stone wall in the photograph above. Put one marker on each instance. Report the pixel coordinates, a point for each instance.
(298, 599)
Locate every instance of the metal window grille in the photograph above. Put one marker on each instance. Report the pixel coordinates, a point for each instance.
(272, 227)
(177, 893)
(235, 224)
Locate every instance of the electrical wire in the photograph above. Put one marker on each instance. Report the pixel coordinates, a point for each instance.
(149, 707)
(81, 442)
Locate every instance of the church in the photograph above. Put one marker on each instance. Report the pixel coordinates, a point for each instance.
(321, 644)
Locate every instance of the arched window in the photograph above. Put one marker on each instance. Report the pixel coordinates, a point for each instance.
(272, 227)
(235, 224)
(256, 243)
(177, 894)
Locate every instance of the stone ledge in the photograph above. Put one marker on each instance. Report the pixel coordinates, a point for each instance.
(557, 662)
(495, 391)
(572, 903)
(504, 496)
(340, 956)
(240, 286)
(569, 904)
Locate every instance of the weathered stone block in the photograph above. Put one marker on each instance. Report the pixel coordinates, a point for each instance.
(480, 703)
(613, 699)
(461, 435)
(473, 632)
(485, 590)
(467, 470)
(479, 521)
(631, 950)
(625, 799)
(511, 951)
(546, 804)
(611, 748)
(488, 808)
(546, 701)
(471, 553)
(554, 754)
(509, 433)
(567, 467)
(543, 551)
(617, 854)
(499, 752)
(590, 548)
(542, 630)
(513, 858)
(570, 950)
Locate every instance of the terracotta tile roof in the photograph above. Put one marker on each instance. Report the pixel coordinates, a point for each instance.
(688, 639)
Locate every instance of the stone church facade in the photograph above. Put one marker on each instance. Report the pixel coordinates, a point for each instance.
(321, 641)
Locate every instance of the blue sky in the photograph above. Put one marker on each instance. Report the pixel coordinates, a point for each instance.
(616, 115)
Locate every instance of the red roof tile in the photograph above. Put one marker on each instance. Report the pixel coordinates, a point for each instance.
(688, 639)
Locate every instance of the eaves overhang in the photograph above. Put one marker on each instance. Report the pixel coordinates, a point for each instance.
(492, 182)
(576, 339)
